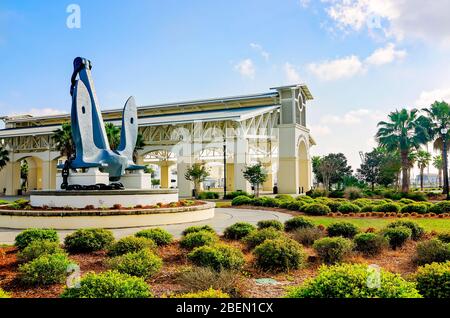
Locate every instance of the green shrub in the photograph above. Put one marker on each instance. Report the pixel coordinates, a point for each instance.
(24, 238)
(279, 255)
(142, 263)
(433, 281)
(242, 200)
(198, 228)
(209, 293)
(431, 251)
(407, 201)
(315, 193)
(218, 257)
(416, 230)
(332, 249)
(368, 208)
(362, 202)
(131, 244)
(308, 235)
(414, 207)
(444, 237)
(352, 193)
(334, 205)
(316, 209)
(387, 207)
(257, 237)
(297, 222)
(88, 240)
(208, 195)
(416, 196)
(348, 208)
(440, 207)
(238, 230)
(110, 284)
(284, 197)
(197, 239)
(234, 194)
(336, 194)
(344, 229)
(38, 248)
(305, 199)
(270, 202)
(397, 236)
(277, 225)
(295, 205)
(158, 235)
(369, 244)
(45, 270)
(4, 294)
(352, 281)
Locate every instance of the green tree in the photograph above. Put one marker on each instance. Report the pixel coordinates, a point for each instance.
(113, 135)
(390, 168)
(403, 132)
(370, 169)
(197, 173)
(438, 119)
(4, 157)
(438, 163)
(63, 140)
(255, 175)
(423, 160)
(331, 169)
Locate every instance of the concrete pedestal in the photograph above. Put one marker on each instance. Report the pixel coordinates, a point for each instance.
(90, 177)
(137, 180)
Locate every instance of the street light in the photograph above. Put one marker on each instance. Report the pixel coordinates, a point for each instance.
(444, 132)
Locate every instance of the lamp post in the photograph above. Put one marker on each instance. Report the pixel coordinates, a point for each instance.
(444, 132)
(225, 165)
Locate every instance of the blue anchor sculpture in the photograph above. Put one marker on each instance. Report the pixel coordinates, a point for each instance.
(92, 149)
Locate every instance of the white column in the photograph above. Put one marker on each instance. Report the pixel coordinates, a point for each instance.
(49, 174)
(288, 172)
(184, 186)
(12, 175)
(240, 162)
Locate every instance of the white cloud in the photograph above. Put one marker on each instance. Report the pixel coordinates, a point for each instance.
(246, 68)
(352, 117)
(38, 112)
(337, 69)
(305, 3)
(260, 50)
(399, 19)
(291, 74)
(385, 55)
(319, 130)
(427, 98)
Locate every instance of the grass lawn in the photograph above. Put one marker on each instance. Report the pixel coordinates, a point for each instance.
(430, 224)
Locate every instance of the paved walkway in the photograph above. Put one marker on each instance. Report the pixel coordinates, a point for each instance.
(223, 218)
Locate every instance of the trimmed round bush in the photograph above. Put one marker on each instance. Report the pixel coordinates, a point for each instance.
(414, 207)
(297, 222)
(270, 202)
(397, 236)
(344, 229)
(109, 284)
(218, 257)
(242, 200)
(198, 228)
(444, 237)
(238, 230)
(368, 208)
(209, 293)
(334, 205)
(38, 248)
(131, 244)
(354, 281)
(362, 202)
(431, 251)
(416, 230)
(45, 270)
(88, 240)
(158, 235)
(387, 207)
(279, 255)
(406, 201)
(305, 198)
(277, 225)
(440, 207)
(257, 237)
(197, 239)
(296, 205)
(349, 208)
(24, 238)
(308, 235)
(433, 281)
(316, 209)
(332, 249)
(143, 263)
(369, 244)
(284, 197)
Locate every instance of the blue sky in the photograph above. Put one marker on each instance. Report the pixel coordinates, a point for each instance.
(360, 58)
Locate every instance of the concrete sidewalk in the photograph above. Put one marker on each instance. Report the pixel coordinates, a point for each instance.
(223, 218)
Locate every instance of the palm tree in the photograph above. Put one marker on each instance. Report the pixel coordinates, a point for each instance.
(4, 157)
(423, 160)
(140, 143)
(405, 133)
(113, 135)
(438, 117)
(438, 163)
(63, 140)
